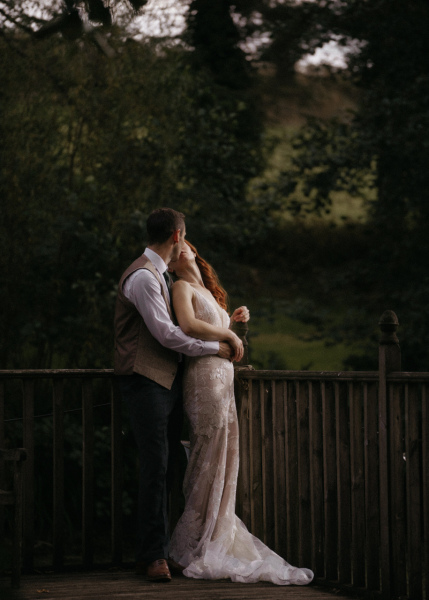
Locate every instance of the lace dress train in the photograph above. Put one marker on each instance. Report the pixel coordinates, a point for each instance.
(209, 539)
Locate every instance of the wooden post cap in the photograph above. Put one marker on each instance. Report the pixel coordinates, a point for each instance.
(388, 324)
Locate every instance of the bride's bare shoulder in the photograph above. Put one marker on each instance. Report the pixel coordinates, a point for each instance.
(182, 286)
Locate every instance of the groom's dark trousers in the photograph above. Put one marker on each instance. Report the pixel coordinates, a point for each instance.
(156, 420)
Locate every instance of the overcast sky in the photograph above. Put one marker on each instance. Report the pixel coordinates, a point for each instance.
(167, 17)
(161, 16)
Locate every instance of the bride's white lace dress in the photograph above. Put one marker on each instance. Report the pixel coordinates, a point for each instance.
(209, 539)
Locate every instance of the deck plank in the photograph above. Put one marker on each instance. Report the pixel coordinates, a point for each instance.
(125, 585)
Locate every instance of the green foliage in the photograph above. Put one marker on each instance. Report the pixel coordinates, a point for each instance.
(381, 154)
(294, 30)
(89, 147)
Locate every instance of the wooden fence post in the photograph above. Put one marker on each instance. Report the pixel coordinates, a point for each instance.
(389, 361)
(242, 400)
(240, 329)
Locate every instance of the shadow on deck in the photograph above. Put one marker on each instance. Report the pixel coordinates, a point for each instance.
(123, 585)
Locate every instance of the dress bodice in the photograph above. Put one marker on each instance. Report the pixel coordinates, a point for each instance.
(208, 380)
(209, 311)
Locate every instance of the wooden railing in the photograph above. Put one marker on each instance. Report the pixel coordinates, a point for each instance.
(64, 392)
(334, 466)
(328, 482)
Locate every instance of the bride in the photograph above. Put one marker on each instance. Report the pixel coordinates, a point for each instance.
(210, 541)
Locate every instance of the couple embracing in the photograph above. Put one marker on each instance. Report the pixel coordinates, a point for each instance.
(174, 350)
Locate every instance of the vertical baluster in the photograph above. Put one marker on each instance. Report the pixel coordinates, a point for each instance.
(17, 538)
(2, 416)
(117, 474)
(343, 482)
(414, 490)
(279, 406)
(372, 493)
(28, 442)
(425, 471)
(397, 491)
(330, 483)
(291, 393)
(275, 464)
(256, 451)
(358, 486)
(316, 477)
(87, 474)
(267, 462)
(2, 445)
(304, 476)
(252, 450)
(58, 458)
(244, 481)
(264, 477)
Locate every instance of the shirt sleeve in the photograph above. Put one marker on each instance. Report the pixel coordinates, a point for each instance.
(143, 289)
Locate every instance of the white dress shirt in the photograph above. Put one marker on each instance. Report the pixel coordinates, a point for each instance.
(142, 289)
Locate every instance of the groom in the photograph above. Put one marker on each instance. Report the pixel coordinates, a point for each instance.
(148, 360)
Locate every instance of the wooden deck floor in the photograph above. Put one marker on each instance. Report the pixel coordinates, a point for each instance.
(124, 585)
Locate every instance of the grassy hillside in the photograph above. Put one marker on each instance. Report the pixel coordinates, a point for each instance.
(285, 284)
(315, 94)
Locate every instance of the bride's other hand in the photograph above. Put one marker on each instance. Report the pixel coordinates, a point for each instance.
(241, 314)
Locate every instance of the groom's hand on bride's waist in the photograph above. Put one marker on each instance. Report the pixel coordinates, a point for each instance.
(225, 350)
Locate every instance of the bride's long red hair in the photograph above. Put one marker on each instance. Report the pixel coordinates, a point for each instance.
(210, 279)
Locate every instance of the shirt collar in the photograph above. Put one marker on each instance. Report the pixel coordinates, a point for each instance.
(156, 260)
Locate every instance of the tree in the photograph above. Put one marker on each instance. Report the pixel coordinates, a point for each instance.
(90, 145)
(214, 38)
(225, 36)
(381, 152)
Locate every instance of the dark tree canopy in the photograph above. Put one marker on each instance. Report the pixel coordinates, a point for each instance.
(90, 145)
(382, 152)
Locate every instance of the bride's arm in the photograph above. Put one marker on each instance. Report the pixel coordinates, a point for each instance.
(182, 294)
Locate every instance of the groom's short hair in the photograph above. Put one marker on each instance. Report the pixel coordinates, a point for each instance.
(162, 223)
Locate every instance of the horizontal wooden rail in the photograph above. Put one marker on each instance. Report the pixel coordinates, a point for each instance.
(56, 374)
(308, 375)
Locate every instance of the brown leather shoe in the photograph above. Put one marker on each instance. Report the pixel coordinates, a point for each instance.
(158, 571)
(174, 567)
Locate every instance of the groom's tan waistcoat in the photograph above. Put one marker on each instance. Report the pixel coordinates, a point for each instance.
(136, 350)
